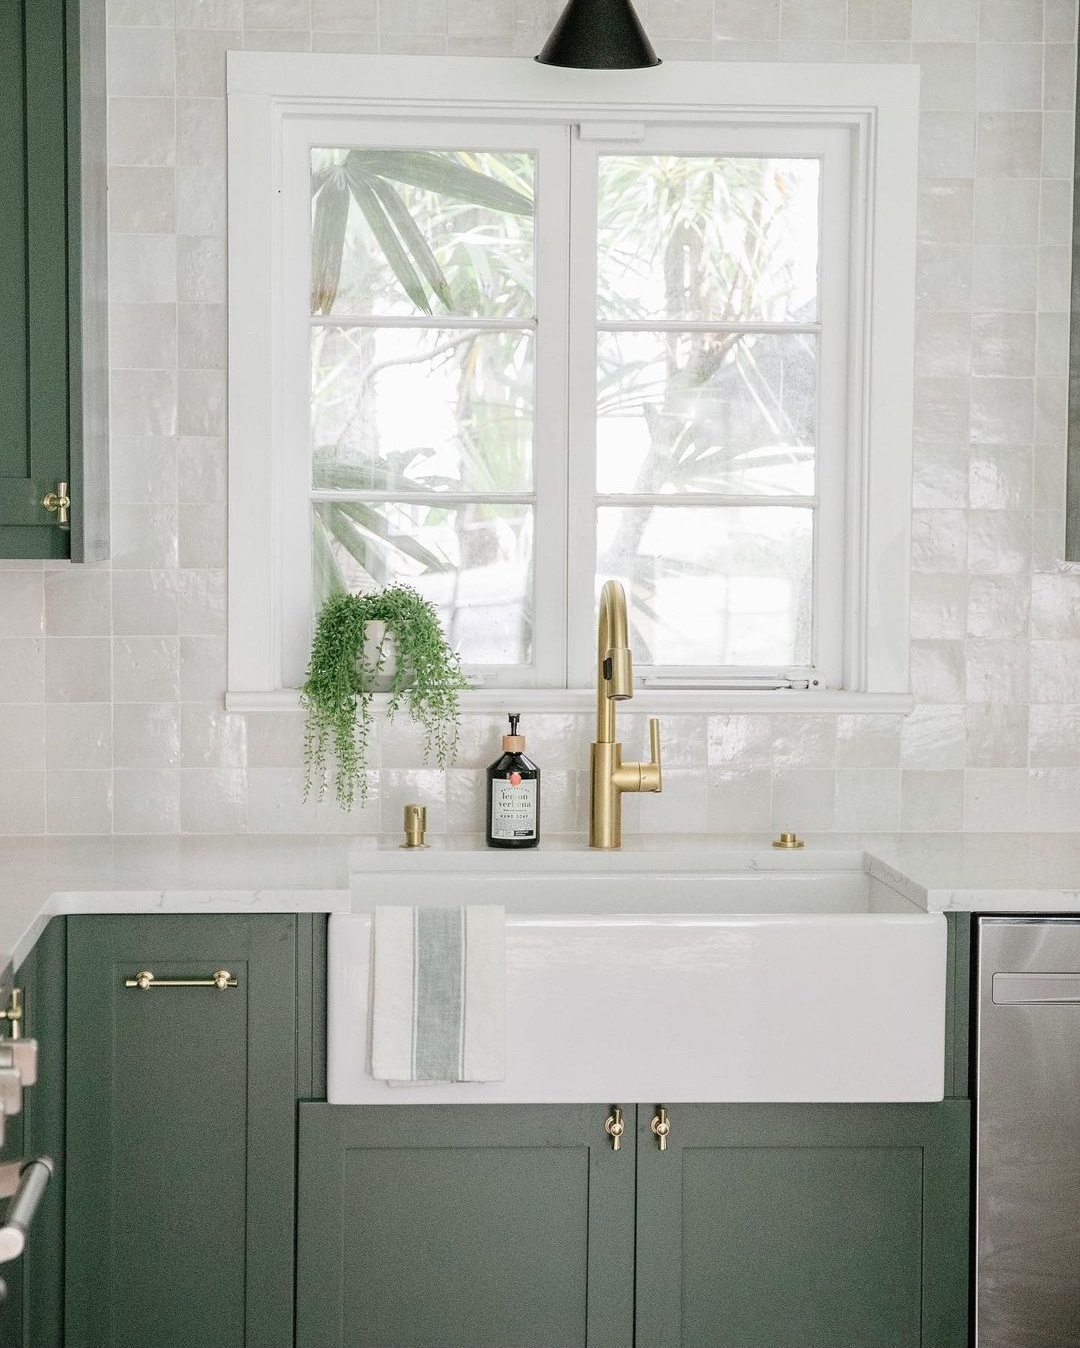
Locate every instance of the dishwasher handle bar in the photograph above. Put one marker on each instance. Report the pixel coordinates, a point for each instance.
(1034, 989)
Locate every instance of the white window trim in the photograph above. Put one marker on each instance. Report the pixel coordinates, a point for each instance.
(879, 104)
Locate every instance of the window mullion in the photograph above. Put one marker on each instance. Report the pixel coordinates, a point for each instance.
(581, 499)
(550, 435)
(292, 389)
(838, 541)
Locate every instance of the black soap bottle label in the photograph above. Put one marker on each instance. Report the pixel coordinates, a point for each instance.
(513, 795)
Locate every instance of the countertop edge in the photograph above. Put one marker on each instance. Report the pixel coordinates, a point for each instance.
(44, 877)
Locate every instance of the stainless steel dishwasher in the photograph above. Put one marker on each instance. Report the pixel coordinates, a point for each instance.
(1027, 1255)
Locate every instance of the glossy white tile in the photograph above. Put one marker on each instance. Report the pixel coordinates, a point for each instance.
(79, 802)
(995, 800)
(931, 802)
(146, 735)
(78, 669)
(1054, 800)
(997, 735)
(22, 802)
(22, 603)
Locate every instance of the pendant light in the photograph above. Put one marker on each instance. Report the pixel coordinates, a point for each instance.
(599, 35)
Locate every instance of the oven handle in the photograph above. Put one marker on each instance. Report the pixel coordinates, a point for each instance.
(33, 1179)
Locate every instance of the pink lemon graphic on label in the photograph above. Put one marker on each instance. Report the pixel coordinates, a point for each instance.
(515, 779)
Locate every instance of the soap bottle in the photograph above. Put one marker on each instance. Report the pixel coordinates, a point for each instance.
(513, 794)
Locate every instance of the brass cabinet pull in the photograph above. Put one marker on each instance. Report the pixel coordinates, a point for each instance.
(614, 1127)
(58, 503)
(145, 980)
(661, 1126)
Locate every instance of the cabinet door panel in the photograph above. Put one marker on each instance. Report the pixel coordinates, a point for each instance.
(450, 1227)
(34, 395)
(181, 1133)
(816, 1226)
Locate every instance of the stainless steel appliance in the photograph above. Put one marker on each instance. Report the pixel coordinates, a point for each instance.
(1027, 1256)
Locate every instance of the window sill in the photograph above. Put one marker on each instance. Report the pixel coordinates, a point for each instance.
(667, 701)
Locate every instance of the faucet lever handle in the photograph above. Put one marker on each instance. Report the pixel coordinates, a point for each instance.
(651, 773)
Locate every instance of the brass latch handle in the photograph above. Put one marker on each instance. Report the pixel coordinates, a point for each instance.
(145, 980)
(614, 1127)
(58, 502)
(13, 1012)
(661, 1126)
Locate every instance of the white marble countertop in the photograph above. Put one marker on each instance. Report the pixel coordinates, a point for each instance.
(44, 877)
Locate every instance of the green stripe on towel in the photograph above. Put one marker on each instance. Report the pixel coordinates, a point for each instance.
(439, 1009)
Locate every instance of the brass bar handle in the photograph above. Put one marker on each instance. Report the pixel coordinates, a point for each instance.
(614, 1127)
(145, 980)
(661, 1126)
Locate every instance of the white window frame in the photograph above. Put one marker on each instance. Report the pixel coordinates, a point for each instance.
(549, 144)
(274, 97)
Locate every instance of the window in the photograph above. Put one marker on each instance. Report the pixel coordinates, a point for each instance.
(501, 343)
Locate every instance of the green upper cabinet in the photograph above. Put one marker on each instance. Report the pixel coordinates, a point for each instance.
(53, 363)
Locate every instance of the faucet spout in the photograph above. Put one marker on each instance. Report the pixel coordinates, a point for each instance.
(615, 683)
(614, 666)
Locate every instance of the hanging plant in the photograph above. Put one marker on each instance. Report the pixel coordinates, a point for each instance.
(349, 662)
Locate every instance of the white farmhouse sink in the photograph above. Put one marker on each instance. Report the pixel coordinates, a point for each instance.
(645, 977)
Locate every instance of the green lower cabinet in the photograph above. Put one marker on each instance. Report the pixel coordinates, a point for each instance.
(804, 1226)
(181, 1130)
(31, 1315)
(449, 1227)
(757, 1227)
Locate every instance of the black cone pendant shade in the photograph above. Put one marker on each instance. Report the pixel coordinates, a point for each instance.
(599, 35)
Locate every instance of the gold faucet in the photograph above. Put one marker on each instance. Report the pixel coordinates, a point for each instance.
(615, 683)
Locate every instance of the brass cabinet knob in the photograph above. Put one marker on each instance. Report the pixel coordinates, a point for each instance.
(661, 1126)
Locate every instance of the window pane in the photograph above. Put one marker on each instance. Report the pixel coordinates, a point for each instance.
(706, 239)
(398, 408)
(422, 232)
(474, 562)
(715, 412)
(713, 586)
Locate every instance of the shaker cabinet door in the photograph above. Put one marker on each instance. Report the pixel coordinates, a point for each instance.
(456, 1227)
(34, 283)
(764, 1226)
(181, 1132)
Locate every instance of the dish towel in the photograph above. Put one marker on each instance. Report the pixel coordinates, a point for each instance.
(439, 994)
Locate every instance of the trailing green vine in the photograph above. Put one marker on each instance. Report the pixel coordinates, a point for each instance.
(337, 695)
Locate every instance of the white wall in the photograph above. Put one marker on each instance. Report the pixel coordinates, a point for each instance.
(111, 677)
